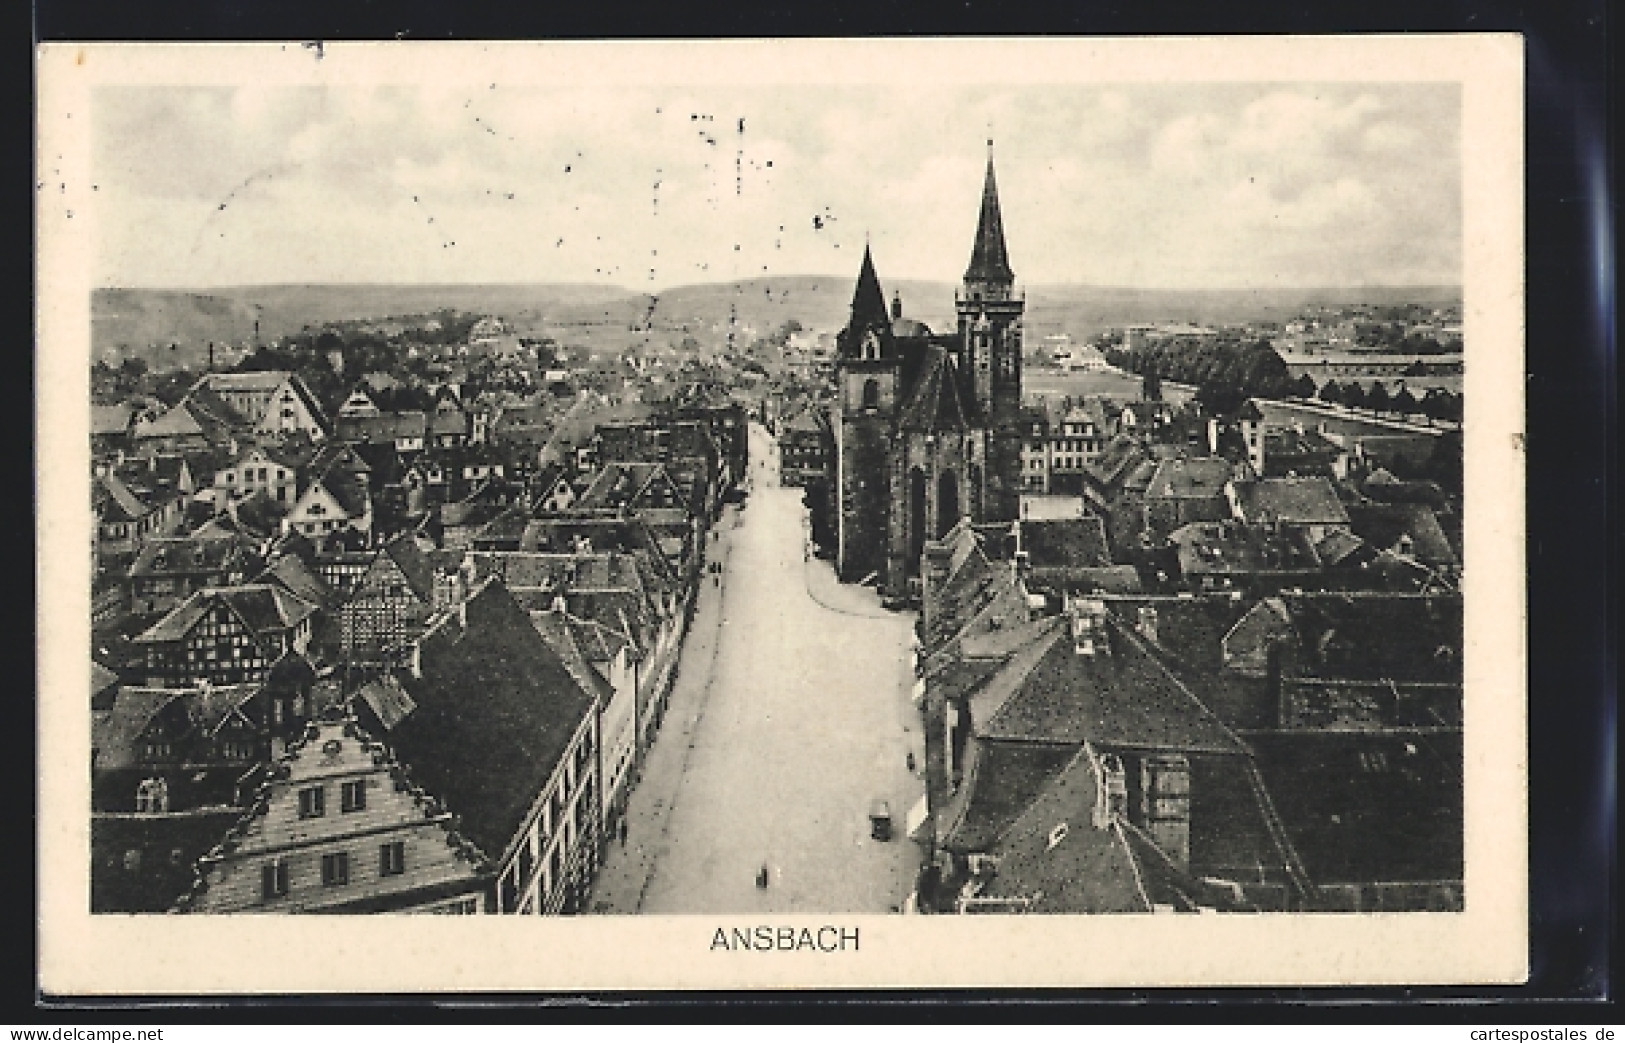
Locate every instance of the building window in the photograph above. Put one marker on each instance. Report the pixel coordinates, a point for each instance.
(871, 394)
(152, 797)
(274, 879)
(353, 795)
(392, 859)
(312, 802)
(336, 869)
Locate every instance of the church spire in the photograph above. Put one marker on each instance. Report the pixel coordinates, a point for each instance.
(868, 302)
(868, 311)
(988, 260)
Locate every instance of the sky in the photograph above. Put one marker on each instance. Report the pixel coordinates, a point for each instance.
(1148, 185)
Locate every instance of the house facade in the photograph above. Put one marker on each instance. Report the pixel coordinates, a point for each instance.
(336, 827)
(226, 635)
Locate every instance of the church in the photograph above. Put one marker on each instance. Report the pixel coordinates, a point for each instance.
(928, 425)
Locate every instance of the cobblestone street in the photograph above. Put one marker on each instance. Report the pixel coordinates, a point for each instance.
(789, 716)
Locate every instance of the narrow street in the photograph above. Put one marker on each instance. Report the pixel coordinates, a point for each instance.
(790, 716)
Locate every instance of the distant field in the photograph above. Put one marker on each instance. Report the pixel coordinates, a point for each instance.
(144, 322)
(1052, 383)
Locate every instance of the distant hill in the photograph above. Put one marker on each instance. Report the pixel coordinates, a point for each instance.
(144, 322)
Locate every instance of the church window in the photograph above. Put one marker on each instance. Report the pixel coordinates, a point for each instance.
(871, 394)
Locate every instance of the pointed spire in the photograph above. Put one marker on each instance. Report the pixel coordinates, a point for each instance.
(988, 260)
(868, 302)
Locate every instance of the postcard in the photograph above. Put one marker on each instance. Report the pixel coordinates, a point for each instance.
(749, 514)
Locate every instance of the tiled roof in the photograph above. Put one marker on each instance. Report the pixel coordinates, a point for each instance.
(1368, 807)
(933, 402)
(403, 550)
(1067, 544)
(384, 427)
(261, 606)
(496, 710)
(114, 734)
(1053, 856)
(1190, 636)
(1401, 638)
(1197, 479)
(261, 380)
(187, 555)
(599, 643)
(619, 483)
(115, 502)
(110, 420)
(1384, 526)
(1118, 697)
(557, 631)
(1292, 501)
(102, 683)
(389, 702)
(1001, 780)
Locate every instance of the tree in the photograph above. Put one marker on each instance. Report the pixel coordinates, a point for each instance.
(1331, 391)
(1305, 387)
(1377, 398)
(1353, 395)
(1404, 401)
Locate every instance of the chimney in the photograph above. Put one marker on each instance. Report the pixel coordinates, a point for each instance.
(1148, 623)
(1088, 627)
(1274, 701)
(1111, 793)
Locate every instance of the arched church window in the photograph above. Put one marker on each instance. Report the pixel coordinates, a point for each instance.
(871, 394)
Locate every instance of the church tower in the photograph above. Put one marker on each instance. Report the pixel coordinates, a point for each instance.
(989, 351)
(866, 366)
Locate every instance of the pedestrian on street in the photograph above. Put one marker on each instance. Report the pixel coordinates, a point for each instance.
(910, 760)
(621, 828)
(761, 877)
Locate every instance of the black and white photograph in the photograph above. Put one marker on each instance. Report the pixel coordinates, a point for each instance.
(794, 491)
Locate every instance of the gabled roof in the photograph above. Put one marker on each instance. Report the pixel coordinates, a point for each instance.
(103, 683)
(556, 629)
(1002, 779)
(291, 573)
(113, 735)
(114, 501)
(262, 607)
(621, 483)
(403, 550)
(1053, 855)
(496, 710)
(933, 402)
(348, 490)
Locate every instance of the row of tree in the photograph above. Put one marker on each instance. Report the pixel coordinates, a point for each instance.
(1436, 404)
